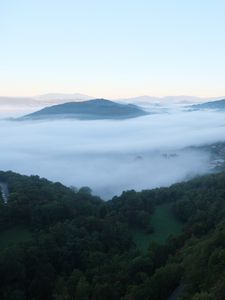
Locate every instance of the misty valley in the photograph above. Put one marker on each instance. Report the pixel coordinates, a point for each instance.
(116, 201)
(114, 154)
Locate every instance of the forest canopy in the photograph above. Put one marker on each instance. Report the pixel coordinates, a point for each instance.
(64, 243)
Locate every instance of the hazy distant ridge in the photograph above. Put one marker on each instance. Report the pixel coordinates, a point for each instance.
(59, 98)
(217, 105)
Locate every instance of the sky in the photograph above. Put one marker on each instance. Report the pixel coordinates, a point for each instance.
(119, 48)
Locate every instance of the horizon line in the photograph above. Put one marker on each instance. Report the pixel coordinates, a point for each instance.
(110, 98)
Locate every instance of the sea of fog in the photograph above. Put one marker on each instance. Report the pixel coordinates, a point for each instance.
(112, 156)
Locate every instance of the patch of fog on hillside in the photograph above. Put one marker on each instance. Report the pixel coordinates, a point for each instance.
(112, 156)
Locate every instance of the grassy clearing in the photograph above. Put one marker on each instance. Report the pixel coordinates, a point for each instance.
(164, 224)
(14, 235)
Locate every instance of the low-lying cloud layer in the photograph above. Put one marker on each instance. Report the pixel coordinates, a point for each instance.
(112, 156)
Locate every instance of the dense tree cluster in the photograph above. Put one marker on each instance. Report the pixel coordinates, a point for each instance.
(82, 248)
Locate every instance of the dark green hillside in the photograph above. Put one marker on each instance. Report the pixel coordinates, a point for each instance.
(59, 243)
(89, 110)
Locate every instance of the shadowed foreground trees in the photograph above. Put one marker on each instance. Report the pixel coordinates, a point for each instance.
(81, 247)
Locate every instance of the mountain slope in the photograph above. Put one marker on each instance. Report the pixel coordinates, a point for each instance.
(92, 109)
(217, 105)
(62, 243)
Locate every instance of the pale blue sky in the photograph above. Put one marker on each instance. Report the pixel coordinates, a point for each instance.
(112, 48)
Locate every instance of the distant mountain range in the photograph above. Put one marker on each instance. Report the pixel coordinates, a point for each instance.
(88, 110)
(143, 100)
(58, 98)
(18, 102)
(216, 105)
(43, 100)
(19, 106)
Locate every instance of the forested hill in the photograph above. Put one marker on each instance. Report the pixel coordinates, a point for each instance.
(88, 110)
(63, 243)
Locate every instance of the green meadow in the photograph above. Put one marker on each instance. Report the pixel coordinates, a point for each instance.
(164, 225)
